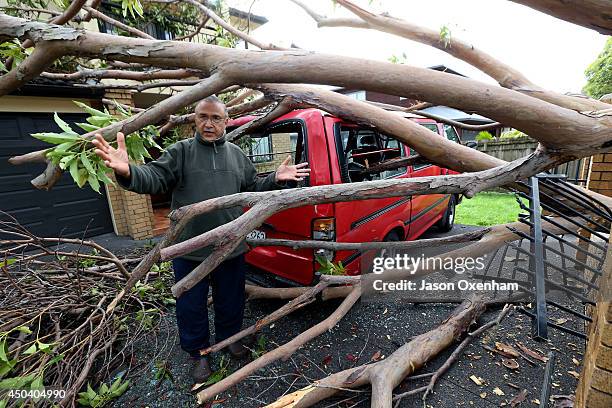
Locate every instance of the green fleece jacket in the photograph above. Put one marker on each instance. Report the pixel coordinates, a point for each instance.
(195, 170)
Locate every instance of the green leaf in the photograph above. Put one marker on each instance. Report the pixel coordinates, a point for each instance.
(3, 351)
(6, 367)
(102, 176)
(92, 179)
(66, 161)
(30, 350)
(45, 347)
(64, 147)
(37, 384)
(92, 111)
(3, 403)
(87, 127)
(122, 389)
(63, 125)
(90, 392)
(100, 121)
(16, 382)
(103, 389)
(7, 262)
(74, 170)
(56, 359)
(56, 138)
(88, 166)
(83, 176)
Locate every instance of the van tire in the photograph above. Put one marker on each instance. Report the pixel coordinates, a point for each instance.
(447, 221)
(392, 236)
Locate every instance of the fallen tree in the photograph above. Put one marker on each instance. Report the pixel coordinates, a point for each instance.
(566, 128)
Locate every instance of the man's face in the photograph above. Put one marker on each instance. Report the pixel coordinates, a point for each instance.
(210, 120)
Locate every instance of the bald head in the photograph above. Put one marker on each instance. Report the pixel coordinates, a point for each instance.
(212, 99)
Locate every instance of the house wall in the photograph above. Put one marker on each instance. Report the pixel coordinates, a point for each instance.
(132, 213)
(595, 384)
(600, 175)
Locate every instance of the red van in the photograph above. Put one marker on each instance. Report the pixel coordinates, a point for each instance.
(339, 152)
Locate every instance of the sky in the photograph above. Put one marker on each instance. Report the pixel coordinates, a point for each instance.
(550, 52)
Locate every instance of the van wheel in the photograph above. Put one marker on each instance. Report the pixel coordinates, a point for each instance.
(447, 221)
(392, 236)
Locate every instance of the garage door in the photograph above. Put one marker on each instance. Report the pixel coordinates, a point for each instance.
(66, 210)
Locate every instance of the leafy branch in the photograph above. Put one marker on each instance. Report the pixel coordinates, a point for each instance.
(76, 154)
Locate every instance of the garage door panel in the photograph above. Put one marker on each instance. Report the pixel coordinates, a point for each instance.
(66, 210)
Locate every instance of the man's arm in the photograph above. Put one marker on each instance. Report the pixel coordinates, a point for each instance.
(158, 176)
(285, 176)
(254, 183)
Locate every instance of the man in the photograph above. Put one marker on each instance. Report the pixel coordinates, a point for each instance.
(194, 170)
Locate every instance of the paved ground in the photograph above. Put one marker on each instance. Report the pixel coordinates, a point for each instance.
(368, 329)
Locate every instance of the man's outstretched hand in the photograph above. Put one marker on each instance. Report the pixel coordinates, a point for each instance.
(116, 159)
(287, 172)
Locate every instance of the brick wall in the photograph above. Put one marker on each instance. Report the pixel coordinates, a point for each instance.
(595, 384)
(600, 175)
(281, 142)
(132, 213)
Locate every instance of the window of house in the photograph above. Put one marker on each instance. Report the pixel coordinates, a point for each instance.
(261, 149)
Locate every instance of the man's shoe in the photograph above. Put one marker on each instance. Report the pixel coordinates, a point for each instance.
(237, 349)
(200, 369)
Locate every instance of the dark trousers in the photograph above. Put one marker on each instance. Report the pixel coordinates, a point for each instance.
(227, 281)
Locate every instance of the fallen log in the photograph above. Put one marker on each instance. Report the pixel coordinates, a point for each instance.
(387, 374)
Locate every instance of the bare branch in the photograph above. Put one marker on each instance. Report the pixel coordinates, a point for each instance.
(149, 75)
(365, 246)
(229, 28)
(101, 16)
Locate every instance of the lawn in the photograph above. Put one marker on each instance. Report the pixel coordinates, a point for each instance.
(487, 209)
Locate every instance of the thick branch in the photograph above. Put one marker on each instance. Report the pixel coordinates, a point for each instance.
(387, 374)
(43, 56)
(67, 15)
(505, 75)
(593, 14)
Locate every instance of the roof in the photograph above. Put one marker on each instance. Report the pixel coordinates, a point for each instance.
(455, 114)
(444, 68)
(247, 16)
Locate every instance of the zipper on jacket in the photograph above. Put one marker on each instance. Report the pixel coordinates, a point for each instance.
(215, 147)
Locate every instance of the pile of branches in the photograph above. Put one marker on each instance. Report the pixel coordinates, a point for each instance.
(56, 330)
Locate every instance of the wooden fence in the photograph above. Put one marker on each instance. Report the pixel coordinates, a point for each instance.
(512, 149)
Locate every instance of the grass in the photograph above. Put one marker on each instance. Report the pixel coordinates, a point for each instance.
(488, 209)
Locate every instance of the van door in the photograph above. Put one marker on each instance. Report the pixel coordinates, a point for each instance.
(426, 208)
(358, 151)
(267, 149)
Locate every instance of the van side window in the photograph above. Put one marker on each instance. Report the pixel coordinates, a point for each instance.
(434, 128)
(362, 150)
(451, 134)
(268, 148)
